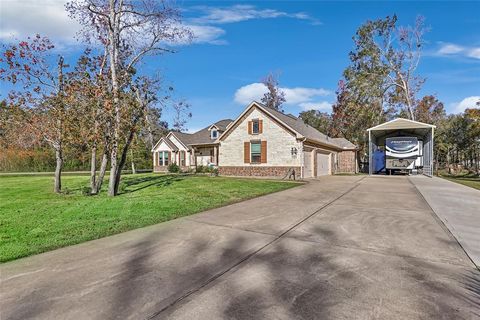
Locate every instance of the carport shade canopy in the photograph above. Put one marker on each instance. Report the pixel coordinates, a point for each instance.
(403, 127)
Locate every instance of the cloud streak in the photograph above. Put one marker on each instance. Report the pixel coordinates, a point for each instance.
(305, 98)
(239, 13)
(451, 50)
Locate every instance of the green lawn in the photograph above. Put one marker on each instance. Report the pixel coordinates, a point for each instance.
(468, 180)
(33, 219)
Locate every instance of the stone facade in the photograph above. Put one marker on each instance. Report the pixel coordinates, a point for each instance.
(346, 162)
(258, 171)
(160, 168)
(279, 144)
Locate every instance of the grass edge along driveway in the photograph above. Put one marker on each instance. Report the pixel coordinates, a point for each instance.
(34, 220)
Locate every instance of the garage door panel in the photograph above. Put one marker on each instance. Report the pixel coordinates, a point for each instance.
(323, 164)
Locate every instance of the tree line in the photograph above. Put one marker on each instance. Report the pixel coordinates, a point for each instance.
(103, 102)
(381, 83)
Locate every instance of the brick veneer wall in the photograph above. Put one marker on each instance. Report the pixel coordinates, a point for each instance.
(160, 168)
(346, 162)
(257, 171)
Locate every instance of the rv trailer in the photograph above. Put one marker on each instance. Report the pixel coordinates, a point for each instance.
(402, 153)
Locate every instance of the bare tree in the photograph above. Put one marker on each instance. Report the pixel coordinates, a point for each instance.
(182, 113)
(129, 30)
(275, 96)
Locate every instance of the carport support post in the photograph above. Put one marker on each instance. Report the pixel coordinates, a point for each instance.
(432, 157)
(370, 164)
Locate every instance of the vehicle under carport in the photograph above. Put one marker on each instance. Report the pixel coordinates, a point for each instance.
(402, 128)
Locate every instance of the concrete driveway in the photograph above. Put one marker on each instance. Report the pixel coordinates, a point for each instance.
(335, 248)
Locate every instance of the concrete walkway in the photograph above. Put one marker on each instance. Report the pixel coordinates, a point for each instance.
(336, 248)
(458, 207)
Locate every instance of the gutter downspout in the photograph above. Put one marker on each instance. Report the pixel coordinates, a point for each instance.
(302, 160)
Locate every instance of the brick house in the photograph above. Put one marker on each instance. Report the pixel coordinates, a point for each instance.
(263, 142)
(189, 149)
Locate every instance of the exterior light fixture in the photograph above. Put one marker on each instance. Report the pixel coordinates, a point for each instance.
(294, 151)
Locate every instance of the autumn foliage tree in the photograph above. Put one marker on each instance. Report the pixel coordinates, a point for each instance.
(128, 31)
(38, 80)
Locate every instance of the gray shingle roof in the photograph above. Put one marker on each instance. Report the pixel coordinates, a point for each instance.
(307, 131)
(202, 136)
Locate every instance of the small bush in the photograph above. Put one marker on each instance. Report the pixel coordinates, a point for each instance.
(200, 169)
(173, 168)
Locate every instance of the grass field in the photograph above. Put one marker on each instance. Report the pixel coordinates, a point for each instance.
(33, 219)
(466, 179)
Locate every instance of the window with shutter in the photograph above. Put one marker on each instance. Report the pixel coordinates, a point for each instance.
(255, 151)
(263, 155)
(246, 152)
(255, 126)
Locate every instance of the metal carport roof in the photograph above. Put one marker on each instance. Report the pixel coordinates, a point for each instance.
(405, 126)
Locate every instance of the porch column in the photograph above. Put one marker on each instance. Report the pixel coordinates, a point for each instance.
(215, 154)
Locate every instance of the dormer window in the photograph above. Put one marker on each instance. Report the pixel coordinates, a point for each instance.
(214, 134)
(255, 126)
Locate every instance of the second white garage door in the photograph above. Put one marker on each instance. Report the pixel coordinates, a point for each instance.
(323, 164)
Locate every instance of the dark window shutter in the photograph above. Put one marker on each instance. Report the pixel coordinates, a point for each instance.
(263, 154)
(260, 126)
(246, 152)
(250, 127)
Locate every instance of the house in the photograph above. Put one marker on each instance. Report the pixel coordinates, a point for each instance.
(189, 149)
(262, 142)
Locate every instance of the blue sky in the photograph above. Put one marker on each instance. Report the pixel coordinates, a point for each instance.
(307, 43)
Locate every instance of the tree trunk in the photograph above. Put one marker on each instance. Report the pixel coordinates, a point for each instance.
(101, 174)
(123, 159)
(113, 46)
(58, 169)
(93, 169)
(134, 170)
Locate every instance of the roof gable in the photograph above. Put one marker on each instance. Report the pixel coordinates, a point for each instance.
(401, 123)
(294, 125)
(247, 111)
(169, 143)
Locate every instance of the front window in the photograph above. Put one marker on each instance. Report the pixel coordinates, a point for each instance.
(255, 126)
(255, 152)
(214, 134)
(163, 158)
(182, 158)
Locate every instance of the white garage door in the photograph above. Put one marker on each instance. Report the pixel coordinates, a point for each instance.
(323, 164)
(307, 160)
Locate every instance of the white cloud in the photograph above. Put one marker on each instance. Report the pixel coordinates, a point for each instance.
(320, 106)
(207, 34)
(300, 96)
(20, 19)
(468, 102)
(249, 93)
(474, 53)
(451, 49)
(239, 13)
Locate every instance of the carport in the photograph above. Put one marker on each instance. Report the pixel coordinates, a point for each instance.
(400, 127)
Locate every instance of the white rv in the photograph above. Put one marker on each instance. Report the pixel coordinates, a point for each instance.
(403, 153)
